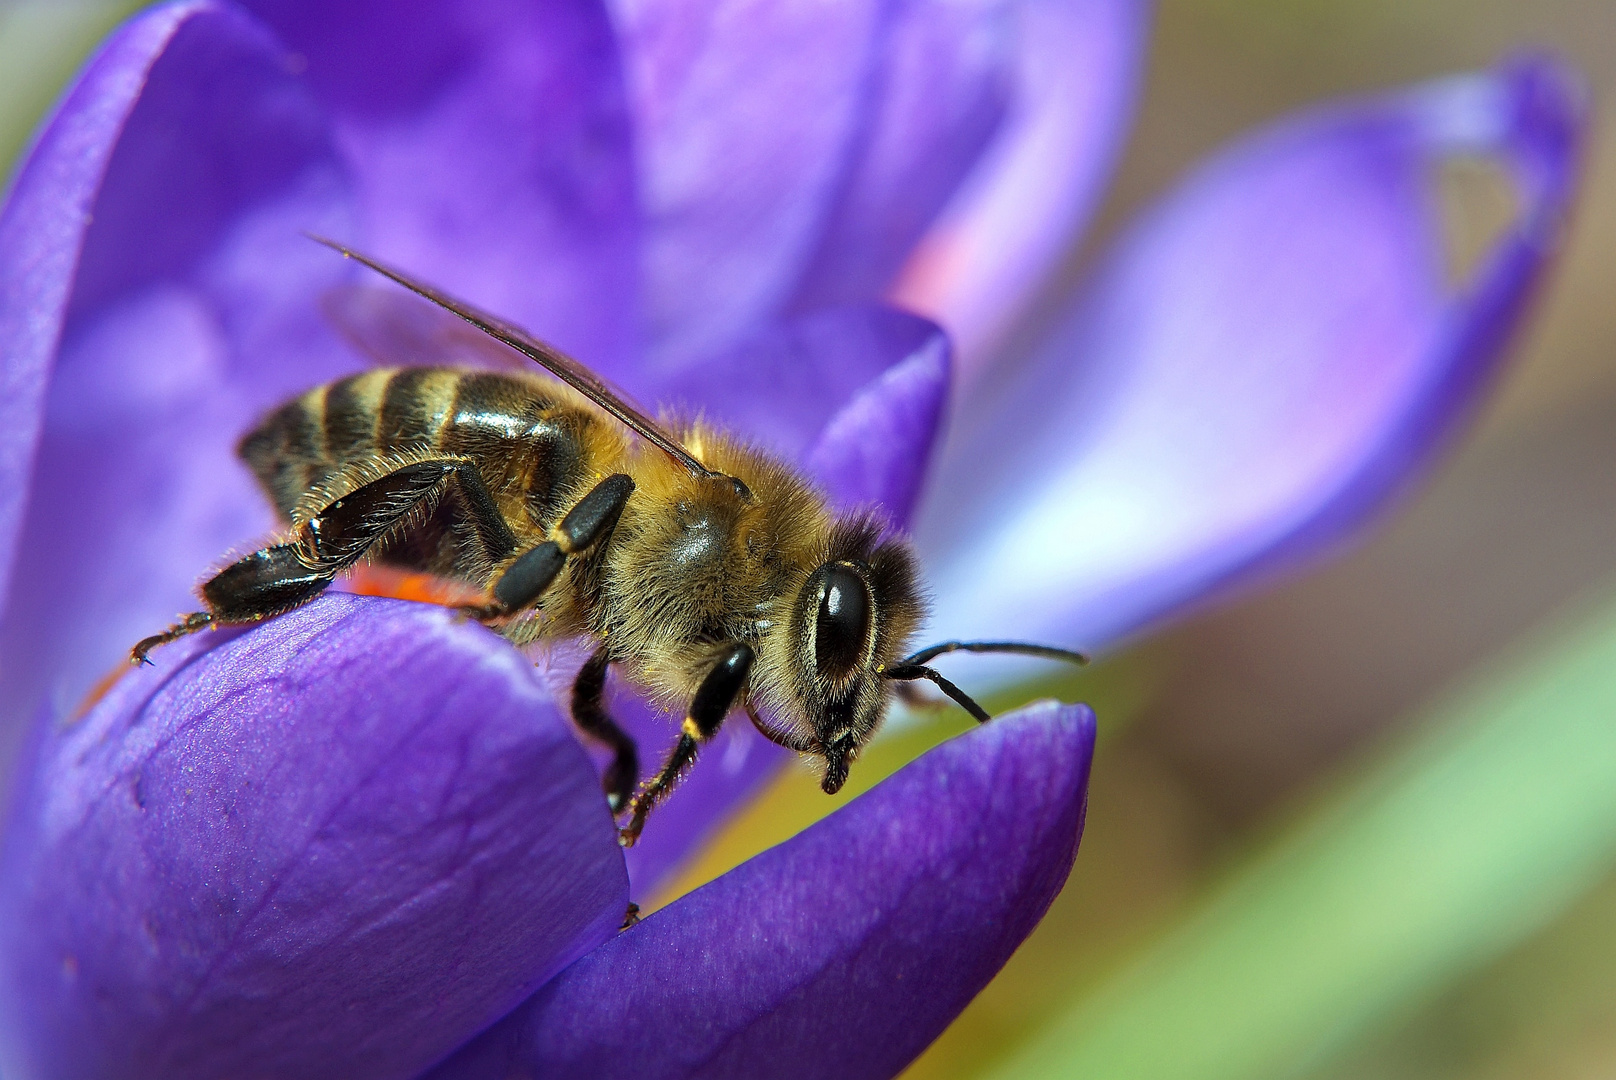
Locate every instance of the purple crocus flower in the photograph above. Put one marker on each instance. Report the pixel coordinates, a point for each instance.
(361, 840)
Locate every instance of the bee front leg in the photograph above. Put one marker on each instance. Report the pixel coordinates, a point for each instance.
(714, 698)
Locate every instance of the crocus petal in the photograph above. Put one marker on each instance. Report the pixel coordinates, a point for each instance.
(790, 153)
(41, 230)
(733, 189)
(1079, 65)
(1264, 359)
(938, 97)
(875, 451)
(193, 308)
(782, 385)
(490, 145)
(842, 952)
(336, 846)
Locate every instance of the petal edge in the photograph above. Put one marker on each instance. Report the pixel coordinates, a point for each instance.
(925, 884)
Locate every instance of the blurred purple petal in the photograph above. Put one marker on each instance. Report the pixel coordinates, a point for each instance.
(41, 230)
(336, 846)
(937, 98)
(875, 451)
(490, 145)
(780, 387)
(745, 117)
(1079, 65)
(1546, 114)
(1263, 360)
(192, 310)
(842, 952)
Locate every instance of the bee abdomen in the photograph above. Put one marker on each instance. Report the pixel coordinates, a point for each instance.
(413, 408)
(496, 420)
(287, 451)
(302, 443)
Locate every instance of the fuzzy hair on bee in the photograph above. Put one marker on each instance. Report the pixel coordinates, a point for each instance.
(710, 573)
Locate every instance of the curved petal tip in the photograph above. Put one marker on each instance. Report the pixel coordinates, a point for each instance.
(1267, 357)
(844, 951)
(335, 846)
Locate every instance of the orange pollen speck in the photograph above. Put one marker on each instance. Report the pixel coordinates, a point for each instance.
(371, 580)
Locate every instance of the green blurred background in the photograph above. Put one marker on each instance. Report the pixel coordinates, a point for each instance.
(1362, 823)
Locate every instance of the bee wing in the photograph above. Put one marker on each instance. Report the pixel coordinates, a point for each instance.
(396, 328)
(547, 356)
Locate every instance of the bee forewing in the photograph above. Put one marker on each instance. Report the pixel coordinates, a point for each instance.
(397, 328)
(553, 360)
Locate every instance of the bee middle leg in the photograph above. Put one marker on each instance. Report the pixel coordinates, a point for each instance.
(523, 581)
(589, 713)
(712, 702)
(276, 579)
(520, 583)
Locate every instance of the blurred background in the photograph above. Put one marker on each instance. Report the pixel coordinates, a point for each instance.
(1321, 839)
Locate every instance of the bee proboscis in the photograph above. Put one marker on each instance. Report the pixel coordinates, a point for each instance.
(713, 575)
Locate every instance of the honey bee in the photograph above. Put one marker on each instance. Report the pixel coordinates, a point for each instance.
(713, 575)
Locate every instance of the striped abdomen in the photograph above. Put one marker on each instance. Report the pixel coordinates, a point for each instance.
(529, 445)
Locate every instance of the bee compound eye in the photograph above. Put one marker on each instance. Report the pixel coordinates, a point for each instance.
(842, 624)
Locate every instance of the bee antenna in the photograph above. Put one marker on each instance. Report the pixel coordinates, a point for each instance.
(1018, 648)
(908, 672)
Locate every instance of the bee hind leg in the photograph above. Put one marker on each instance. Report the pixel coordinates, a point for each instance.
(189, 624)
(278, 578)
(712, 702)
(252, 589)
(589, 713)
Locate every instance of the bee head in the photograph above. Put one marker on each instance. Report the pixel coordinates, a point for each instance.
(854, 615)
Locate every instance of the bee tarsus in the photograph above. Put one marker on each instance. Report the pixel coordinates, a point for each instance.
(189, 624)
